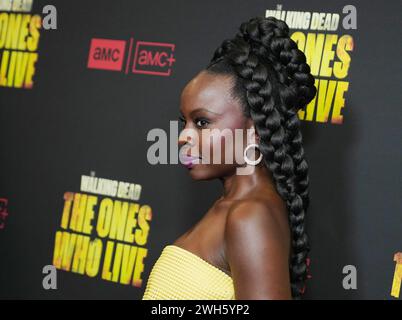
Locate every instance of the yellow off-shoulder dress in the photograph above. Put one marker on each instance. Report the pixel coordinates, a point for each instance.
(179, 274)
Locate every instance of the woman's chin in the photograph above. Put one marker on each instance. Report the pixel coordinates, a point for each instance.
(208, 172)
(197, 172)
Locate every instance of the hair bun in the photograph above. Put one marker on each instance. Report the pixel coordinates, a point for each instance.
(269, 38)
(259, 29)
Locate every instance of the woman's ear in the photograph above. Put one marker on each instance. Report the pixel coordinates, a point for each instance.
(256, 136)
(252, 134)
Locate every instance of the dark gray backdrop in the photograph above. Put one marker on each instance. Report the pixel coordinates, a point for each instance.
(76, 119)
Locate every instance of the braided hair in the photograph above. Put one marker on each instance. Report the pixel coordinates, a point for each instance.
(272, 82)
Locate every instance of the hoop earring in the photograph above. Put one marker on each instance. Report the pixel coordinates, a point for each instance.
(248, 161)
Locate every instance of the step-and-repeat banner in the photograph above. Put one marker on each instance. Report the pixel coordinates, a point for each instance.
(84, 83)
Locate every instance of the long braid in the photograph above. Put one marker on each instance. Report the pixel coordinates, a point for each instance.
(273, 81)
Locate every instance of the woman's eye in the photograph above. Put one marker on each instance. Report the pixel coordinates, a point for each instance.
(201, 122)
(182, 121)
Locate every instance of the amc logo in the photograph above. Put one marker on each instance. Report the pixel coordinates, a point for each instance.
(153, 58)
(106, 54)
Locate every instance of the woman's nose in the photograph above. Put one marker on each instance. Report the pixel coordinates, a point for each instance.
(184, 139)
(187, 136)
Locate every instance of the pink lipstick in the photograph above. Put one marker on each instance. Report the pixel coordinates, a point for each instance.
(189, 161)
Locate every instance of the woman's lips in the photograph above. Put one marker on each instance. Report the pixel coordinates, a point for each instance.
(189, 161)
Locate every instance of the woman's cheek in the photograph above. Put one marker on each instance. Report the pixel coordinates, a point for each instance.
(204, 146)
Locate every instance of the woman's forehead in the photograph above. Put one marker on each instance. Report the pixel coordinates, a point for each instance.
(208, 91)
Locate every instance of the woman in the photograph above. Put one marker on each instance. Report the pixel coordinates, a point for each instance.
(252, 243)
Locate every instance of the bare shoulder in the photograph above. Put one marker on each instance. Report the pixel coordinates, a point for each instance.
(257, 244)
(251, 215)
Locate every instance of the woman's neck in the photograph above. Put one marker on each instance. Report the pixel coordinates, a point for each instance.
(236, 187)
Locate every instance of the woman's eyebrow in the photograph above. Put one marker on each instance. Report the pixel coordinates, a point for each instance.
(200, 109)
(203, 109)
